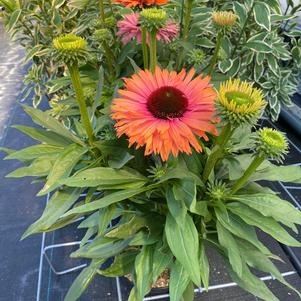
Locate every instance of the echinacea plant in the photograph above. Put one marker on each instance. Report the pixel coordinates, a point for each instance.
(168, 162)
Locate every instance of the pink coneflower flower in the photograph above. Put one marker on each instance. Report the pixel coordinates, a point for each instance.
(141, 3)
(129, 28)
(165, 111)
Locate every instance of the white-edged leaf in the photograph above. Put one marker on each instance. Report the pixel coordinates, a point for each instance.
(262, 15)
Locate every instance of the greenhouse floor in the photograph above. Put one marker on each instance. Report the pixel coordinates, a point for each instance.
(19, 273)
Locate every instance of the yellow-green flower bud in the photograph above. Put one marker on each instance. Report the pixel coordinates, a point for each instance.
(153, 18)
(224, 18)
(218, 191)
(103, 35)
(110, 22)
(70, 48)
(239, 102)
(271, 144)
(196, 57)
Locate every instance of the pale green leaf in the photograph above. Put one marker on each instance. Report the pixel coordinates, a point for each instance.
(184, 244)
(106, 201)
(62, 167)
(58, 204)
(179, 280)
(266, 224)
(94, 177)
(228, 242)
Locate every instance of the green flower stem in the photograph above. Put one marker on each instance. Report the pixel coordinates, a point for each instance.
(242, 30)
(215, 54)
(249, 171)
(75, 78)
(187, 19)
(217, 154)
(111, 7)
(144, 49)
(153, 50)
(102, 12)
(185, 31)
(110, 59)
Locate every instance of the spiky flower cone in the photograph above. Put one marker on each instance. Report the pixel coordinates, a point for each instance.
(70, 48)
(240, 103)
(153, 18)
(271, 144)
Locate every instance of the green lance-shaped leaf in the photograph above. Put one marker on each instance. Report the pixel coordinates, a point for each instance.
(107, 200)
(83, 280)
(123, 264)
(266, 224)
(59, 203)
(228, 242)
(271, 205)
(94, 177)
(143, 270)
(161, 260)
(241, 229)
(40, 167)
(179, 280)
(185, 190)
(45, 120)
(101, 247)
(256, 259)
(105, 216)
(252, 284)
(176, 207)
(184, 244)
(63, 166)
(13, 20)
(204, 266)
(266, 171)
(127, 229)
(262, 15)
(33, 152)
(42, 135)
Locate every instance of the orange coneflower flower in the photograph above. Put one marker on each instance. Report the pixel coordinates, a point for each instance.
(165, 111)
(141, 3)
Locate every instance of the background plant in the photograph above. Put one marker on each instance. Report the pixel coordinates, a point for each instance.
(262, 47)
(147, 213)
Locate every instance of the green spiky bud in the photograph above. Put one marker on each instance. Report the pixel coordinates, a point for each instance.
(224, 18)
(217, 191)
(103, 35)
(196, 57)
(239, 103)
(153, 18)
(70, 48)
(110, 22)
(271, 144)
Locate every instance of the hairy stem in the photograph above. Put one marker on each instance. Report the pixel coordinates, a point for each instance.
(153, 50)
(185, 32)
(75, 78)
(218, 152)
(249, 171)
(144, 49)
(102, 12)
(215, 54)
(110, 59)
